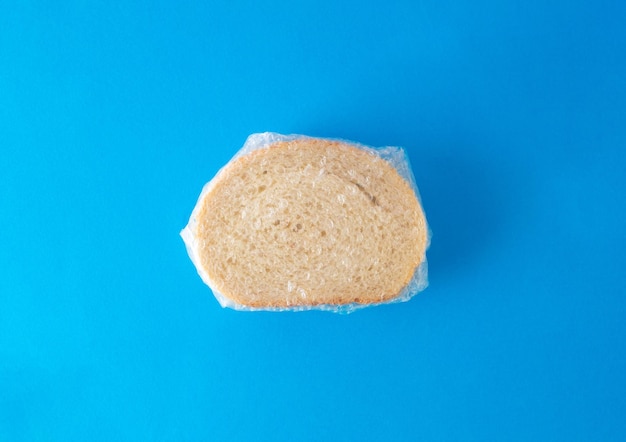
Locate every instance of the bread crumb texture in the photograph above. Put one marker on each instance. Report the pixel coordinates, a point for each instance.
(310, 222)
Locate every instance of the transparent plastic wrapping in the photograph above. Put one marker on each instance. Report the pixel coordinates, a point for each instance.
(394, 156)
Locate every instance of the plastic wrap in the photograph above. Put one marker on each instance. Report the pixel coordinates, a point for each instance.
(394, 156)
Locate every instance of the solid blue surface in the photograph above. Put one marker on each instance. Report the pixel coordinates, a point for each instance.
(113, 116)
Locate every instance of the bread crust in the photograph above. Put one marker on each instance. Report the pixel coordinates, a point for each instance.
(310, 222)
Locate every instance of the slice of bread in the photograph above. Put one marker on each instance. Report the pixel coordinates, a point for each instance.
(309, 222)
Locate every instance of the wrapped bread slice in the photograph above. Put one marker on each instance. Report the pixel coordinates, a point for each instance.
(294, 223)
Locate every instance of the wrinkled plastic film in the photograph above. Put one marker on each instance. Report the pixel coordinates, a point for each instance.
(395, 156)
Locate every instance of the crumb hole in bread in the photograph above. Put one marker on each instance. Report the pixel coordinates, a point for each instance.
(323, 233)
(277, 222)
(265, 172)
(261, 188)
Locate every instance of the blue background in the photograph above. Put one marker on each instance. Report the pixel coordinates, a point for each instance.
(113, 116)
